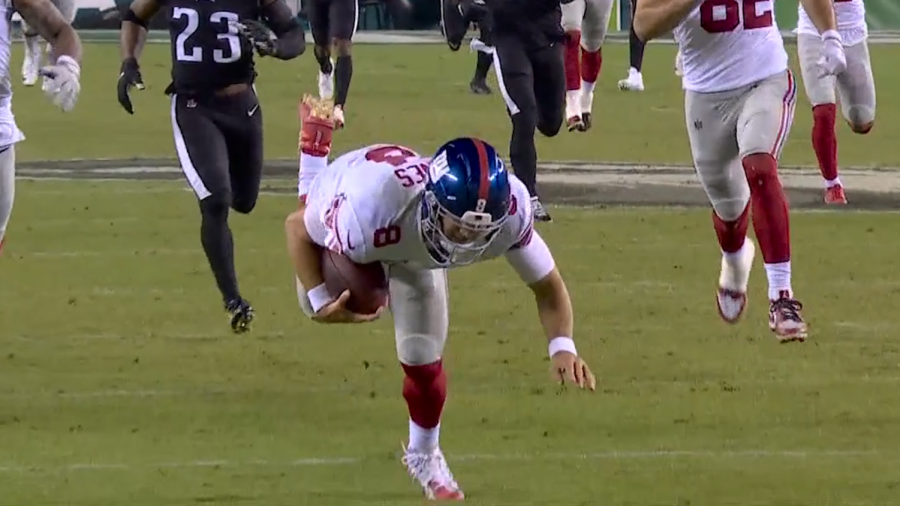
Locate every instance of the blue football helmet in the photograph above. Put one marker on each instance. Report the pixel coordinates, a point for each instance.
(466, 201)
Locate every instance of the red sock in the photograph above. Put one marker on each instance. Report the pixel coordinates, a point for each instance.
(573, 67)
(1, 244)
(731, 234)
(590, 65)
(425, 390)
(769, 207)
(824, 139)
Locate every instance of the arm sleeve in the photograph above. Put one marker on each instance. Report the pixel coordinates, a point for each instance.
(279, 17)
(531, 259)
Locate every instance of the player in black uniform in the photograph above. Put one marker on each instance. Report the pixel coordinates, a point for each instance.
(455, 23)
(333, 24)
(528, 61)
(215, 112)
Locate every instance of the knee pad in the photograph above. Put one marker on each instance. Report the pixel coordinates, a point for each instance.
(863, 128)
(417, 350)
(216, 206)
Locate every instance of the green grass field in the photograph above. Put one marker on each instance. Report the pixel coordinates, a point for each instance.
(121, 384)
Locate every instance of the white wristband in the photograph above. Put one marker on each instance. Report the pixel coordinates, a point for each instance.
(832, 35)
(319, 297)
(558, 344)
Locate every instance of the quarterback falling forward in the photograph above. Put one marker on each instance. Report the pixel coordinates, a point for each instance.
(419, 217)
(739, 105)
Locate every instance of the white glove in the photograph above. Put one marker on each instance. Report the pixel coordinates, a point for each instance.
(833, 61)
(63, 87)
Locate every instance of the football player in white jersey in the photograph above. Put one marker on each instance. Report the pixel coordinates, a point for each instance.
(33, 55)
(739, 105)
(63, 87)
(585, 23)
(419, 217)
(855, 87)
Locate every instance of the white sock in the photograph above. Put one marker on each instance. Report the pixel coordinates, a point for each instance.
(733, 258)
(422, 439)
(33, 48)
(587, 87)
(830, 183)
(779, 276)
(310, 168)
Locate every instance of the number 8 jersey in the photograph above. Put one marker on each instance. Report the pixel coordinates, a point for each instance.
(367, 206)
(208, 52)
(729, 44)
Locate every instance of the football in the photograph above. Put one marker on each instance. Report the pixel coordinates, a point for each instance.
(367, 283)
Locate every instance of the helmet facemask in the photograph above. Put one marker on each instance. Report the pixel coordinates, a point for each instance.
(457, 240)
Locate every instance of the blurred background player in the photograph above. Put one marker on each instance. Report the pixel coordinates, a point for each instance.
(333, 24)
(216, 119)
(61, 85)
(855, 88)
(456, 17)
(419, 217)
(635, 80)
(585, 23)
(33, 54)
(739, 104)
(528, 58)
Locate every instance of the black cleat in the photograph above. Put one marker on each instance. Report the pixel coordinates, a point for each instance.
(538, 211)
(241, 314)
(480, 87)
(587, 121)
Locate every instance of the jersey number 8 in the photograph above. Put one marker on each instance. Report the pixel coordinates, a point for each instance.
(722, 16)
(231, 36)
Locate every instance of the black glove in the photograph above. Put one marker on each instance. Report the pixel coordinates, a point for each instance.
(259, 36)
(129, 76)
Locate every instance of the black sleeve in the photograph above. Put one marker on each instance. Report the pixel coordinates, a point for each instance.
(278, 16)
(291, 41)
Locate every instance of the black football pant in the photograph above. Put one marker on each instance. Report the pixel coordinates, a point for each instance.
(219, 141)
(533, 85)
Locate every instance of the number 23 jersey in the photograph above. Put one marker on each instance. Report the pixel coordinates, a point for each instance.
(366, 205)
(208, 52)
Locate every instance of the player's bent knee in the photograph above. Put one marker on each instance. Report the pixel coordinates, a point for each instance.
(759, 167)
(730, 209)
(216, 205)
(863, 128)
(419, 350)
(341, 47)
(244, 206)
(551, 126)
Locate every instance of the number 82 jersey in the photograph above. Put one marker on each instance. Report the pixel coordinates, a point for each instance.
(208, 52)
(366, 205)
(729, 44)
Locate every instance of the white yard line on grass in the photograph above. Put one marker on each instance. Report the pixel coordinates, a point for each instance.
(487, 457)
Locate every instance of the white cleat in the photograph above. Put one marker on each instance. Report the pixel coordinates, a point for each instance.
(731, 296)
(634, 81)
(326, 83)
(433, 474)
